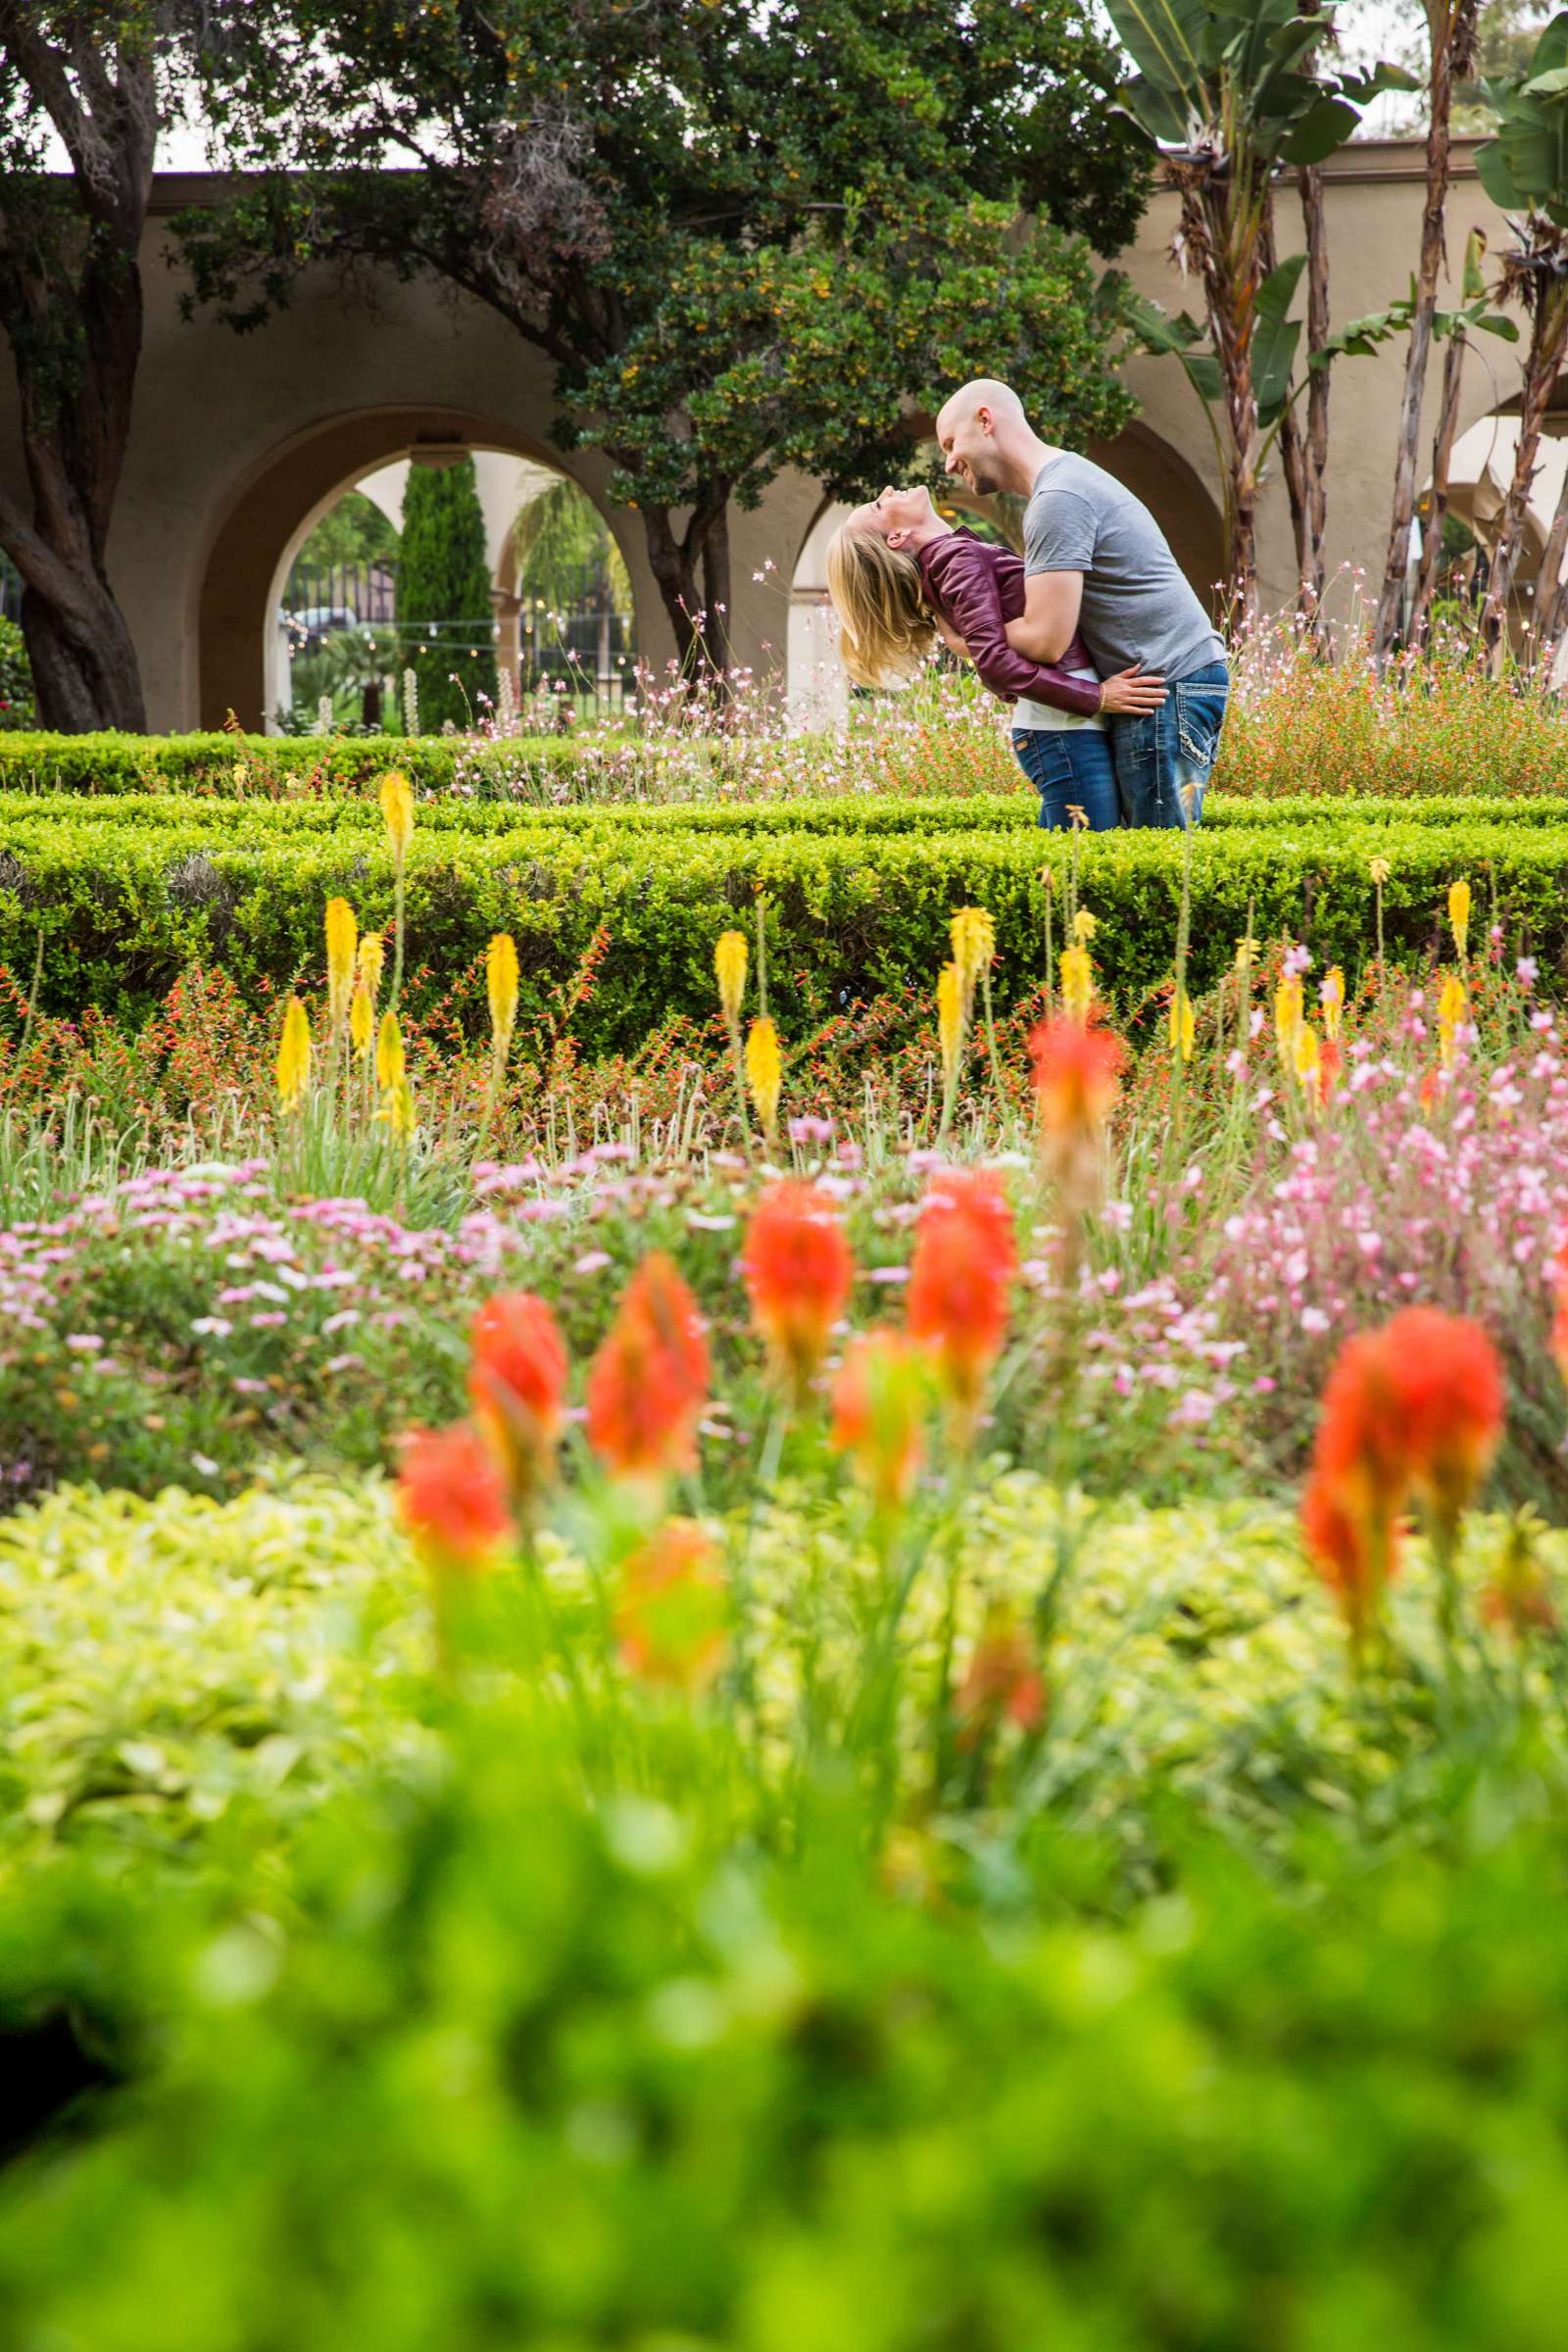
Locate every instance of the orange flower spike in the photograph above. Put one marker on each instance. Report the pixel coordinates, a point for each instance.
(516, 1382)
(672, 1610)
(798, 1268)
(1355, 1557)
(1003, 1683)
(959, 1277)
(1077, 1078)
(649, 1382)
(1448, 1381)
(880, 1398)
(1361, 1448)
(1519, 1597)
(451, 1499)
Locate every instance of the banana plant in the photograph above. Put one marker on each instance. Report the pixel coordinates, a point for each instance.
(1524, 170)
(1233, 92)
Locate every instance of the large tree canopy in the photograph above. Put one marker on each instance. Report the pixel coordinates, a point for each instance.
(674, 201)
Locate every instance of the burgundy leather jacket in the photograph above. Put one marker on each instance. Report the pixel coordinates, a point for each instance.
(978, 588)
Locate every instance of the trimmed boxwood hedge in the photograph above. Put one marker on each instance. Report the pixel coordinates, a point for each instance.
(121, 908)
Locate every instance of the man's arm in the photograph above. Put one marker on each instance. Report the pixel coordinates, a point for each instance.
(1050, 602)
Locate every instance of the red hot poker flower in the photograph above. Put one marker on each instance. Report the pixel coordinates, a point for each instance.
(451, 1499)
(960, 1278)
(1448, 1381)
(1003, 1683)
(670, 1615)
(1356, 1555)
(1077, 1079)
(517, 1382)
(649, 1382)
(798, 1268)
(880, 1399)
(1362, 1449)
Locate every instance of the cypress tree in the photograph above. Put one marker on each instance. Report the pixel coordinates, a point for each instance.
(444, 579)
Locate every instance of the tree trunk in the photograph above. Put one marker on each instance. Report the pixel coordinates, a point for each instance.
(717, 592)
(1226, 220)
(1292, 454)
(1552, 592)
(76, 288)
(1548, 336)
(1316, 438)
(1442, 459)
(1452, 32)
(84, 670)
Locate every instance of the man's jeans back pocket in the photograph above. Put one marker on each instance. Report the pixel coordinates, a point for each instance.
(1199, 715)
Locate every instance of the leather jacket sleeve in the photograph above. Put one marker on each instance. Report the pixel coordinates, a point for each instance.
(962, 582)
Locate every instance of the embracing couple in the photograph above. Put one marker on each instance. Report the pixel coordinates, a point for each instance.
(1118, 677)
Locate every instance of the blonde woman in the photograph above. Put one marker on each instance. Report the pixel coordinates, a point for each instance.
(900, 578)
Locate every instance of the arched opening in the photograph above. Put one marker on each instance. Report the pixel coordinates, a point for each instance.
(243, 648)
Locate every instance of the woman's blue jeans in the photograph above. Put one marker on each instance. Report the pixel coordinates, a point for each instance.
(1070, 767)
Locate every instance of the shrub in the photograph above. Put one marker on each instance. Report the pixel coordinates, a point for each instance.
(121, 908)
(16, 682)
(444, 595)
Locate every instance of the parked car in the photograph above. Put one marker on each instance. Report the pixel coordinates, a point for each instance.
(309, 628)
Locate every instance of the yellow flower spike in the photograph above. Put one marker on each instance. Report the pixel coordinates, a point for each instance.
(372, 957)
(950, 1024)
(397, 1108)
(1183, 1024)
(361, 1018)
(1287, 1015)
(1083, 926)
(294, 1055)
(1459, 916)
(501, 985)
(1246, 953)
(1308, 1062)
(396, 812)
(974, 948)
(1077, 983)
(1453, 1010)
(730, 956)
(342, 939)
(764, 1071)
(1380, 870)
(389, 1058)
(1331, 994)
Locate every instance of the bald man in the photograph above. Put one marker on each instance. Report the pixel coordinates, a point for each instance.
(1096, 562)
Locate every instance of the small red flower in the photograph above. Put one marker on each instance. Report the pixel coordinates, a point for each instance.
(1003, 1683)
(1356, 1554)
(1077, 1079)
(517, 1383)
(798, 1268)
(671, 1612)
(1448, 1382)
(880, 1399)
(450, 1498)
(649, 1382)
(1362, 1449)
(960, 1278)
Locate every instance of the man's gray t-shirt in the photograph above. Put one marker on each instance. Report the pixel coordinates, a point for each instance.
(1137, 606)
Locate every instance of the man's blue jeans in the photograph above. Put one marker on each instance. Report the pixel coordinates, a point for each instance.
(1165, 757)
(1070, 767)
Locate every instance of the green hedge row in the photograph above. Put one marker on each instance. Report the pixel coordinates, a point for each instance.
(122, 909)
(23, 815)
(276, 766)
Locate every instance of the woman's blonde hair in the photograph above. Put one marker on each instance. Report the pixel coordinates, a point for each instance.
(888, 633)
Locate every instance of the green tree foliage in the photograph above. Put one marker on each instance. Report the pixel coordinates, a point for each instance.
(646, 195)
(354, 531)
(444, 608)
(564, 550)
(1233, 90)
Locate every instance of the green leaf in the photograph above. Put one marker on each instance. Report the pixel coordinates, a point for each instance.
(1325, 126)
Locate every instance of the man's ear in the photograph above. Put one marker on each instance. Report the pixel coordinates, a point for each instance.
(986, 418)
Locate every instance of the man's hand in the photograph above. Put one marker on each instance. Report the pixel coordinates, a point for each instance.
(1129, 692)
(1050, 602)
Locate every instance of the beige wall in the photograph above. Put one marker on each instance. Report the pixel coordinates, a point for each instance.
(237, 438)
